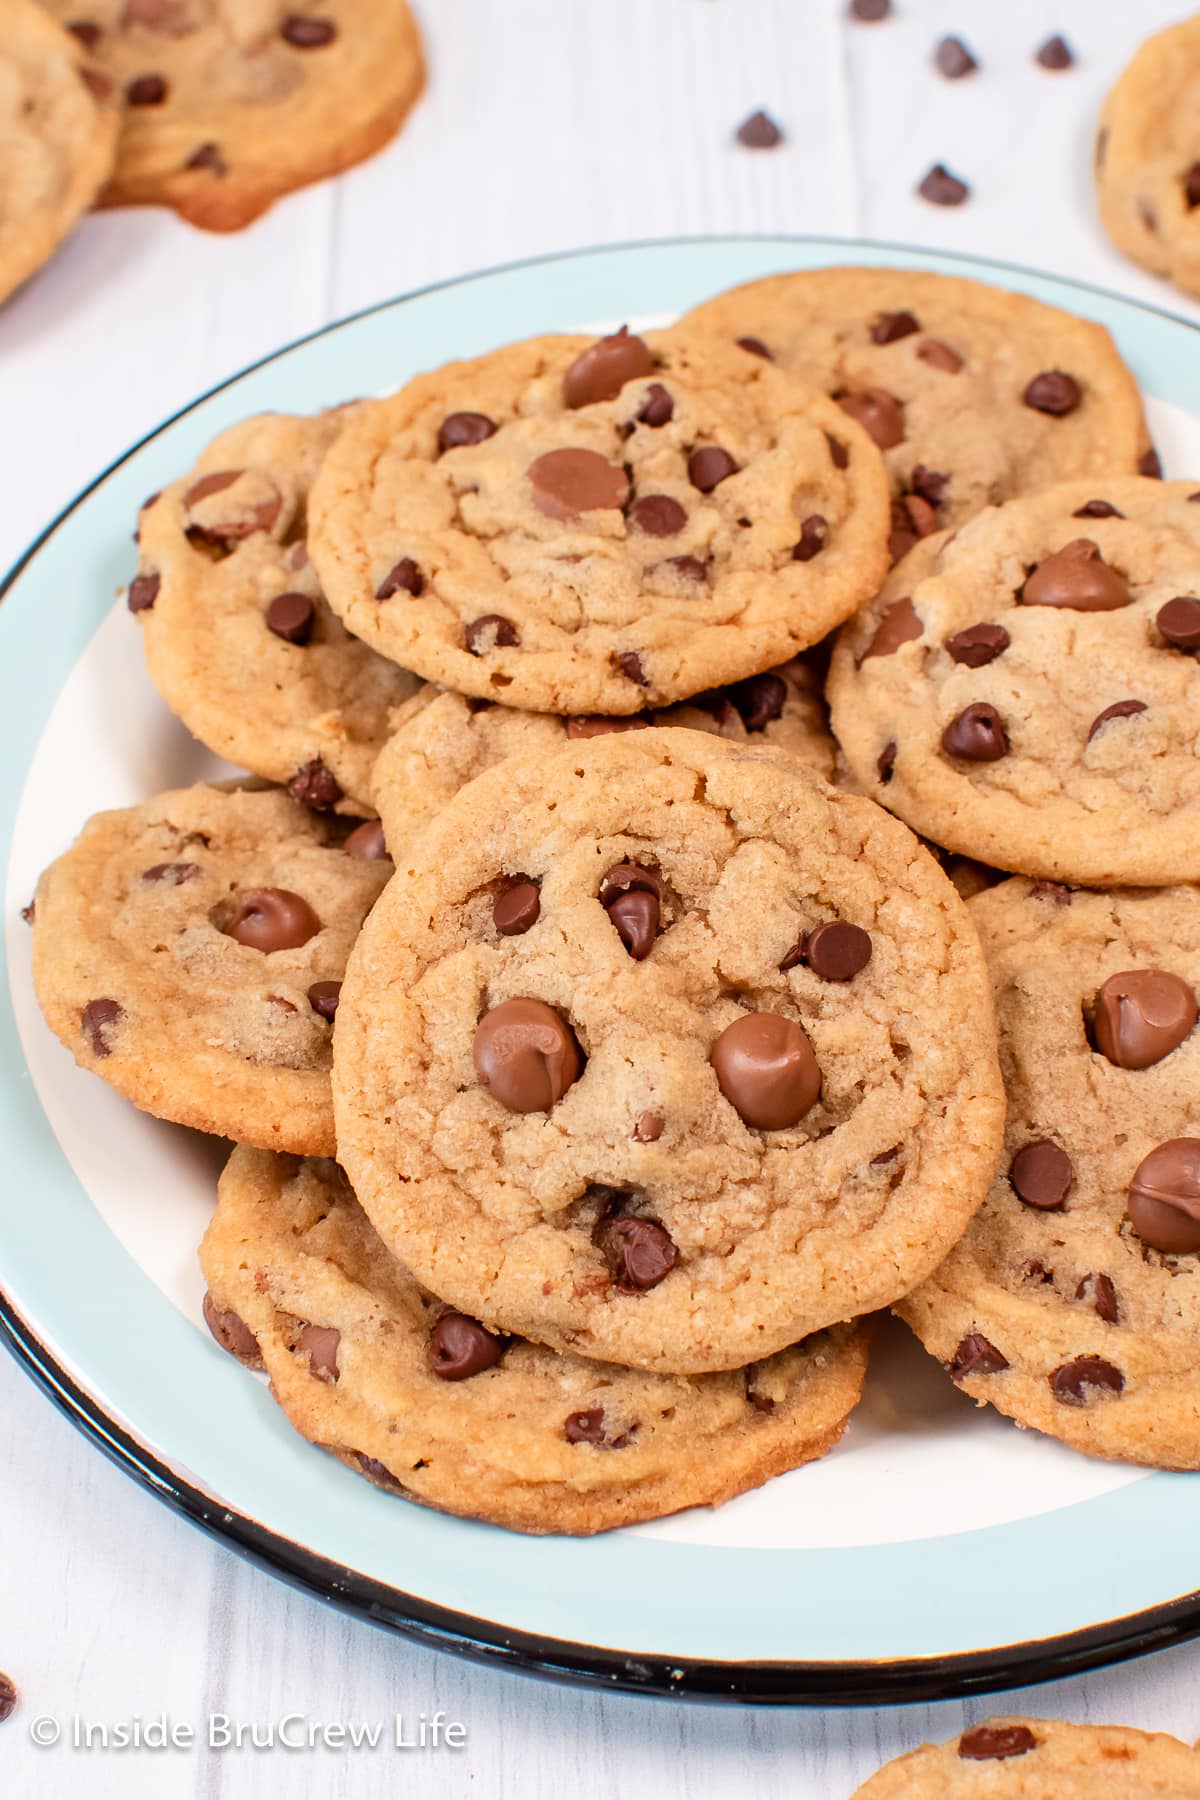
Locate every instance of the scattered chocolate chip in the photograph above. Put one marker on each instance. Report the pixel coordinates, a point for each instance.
(941, 188)
(1191, 187)
(708, 467)
(629, 895)
(146, 90)
(1150, 464)
(601, 371)
(754, 347)
(1077, 577)
(303, 32)
(658, 515)
(585, 1427)
(639, 1252)
(1164, 1197)
(898, 624)
(314, 786)
(516, 907)
(1074, 1383)
(460, 1346)
(143, 592)
(1178, 622)
(953, 60)
(1099, 1291)
(320, 1345)
(462, 430)
(232, 1333)
(1053, 392)
(323, 997)
(879, 414)
(526, 1055)
(869, 12)
(759, 132)
(590, 725)
(492, 632)
(976, 1355)
(885, 766)
(1041, 1175)
(939, 355)
(767, 1070)
(270, 919)
(208, 156)
(759, 700)
(89, 35)
(569, 482)
(1055, 54)
(977, 734)
(291, 617)
(890, 327)
(814, 535)
(630, 665)
(1097, 509)
(1120, 709)
(657, 408)
(835, 950)
(97, 1018)
(367, 840)
(648, 1128)
(977, 645)
(403, 577)
(174, 873)
(995, 1743)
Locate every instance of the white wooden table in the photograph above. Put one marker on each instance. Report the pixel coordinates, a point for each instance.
(549, 124)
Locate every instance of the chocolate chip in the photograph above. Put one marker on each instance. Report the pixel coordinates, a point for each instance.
(657, 408)
(516, 907)
(1053, 891)
(143, 592)
(569, 482)
(320, 1345)
(759, 700)
(759, 132)
(251, 516)
(890, 327)
(378, 1472)
(978, 645)
(688, 568)
(995, 1743)
(976, 1355)
(526, 1055)
(1074, 1383)
(462, 430)
(303, 32)
(834, 950)
(648, 1128)
(98, 84)
(767, 1070)
(976, 734)
(174, 873)
(657, 515)
(761, 1402)
(1055, 53)
(89, 35)
(1097, 509)
(941, 188)
(314, 786)
(98, 1017)
(1053, 392)
(601, 371)
(814, 535)
(460, 1346)
(323, 997)
(869, 12)
(367, 840)
(1179, 622)
(1150, 464)
(912, 519)
(754, 347)
(208, 156)
(639, 1252)
(1191, 187)
(885, 1157)
(879, 414)
(1120, 709)
(1164, 1197)
(232, 1333)
(492, 632)
(1077, 577)
(953, 60)
(270, 919)
(630, 665)
(898, 624)
(8, 1696)
(146, 90)
(885, 766)
(630, 896)
(939, 355)
(590, 725)
(1102, 1295)
(585, 1427)
(29, 913)
(403, 577)
(291, 617)
(708, 467)
(1041, 1174)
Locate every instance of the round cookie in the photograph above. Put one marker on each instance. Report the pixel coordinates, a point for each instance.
(58, 139)
(660, 1050)
(1072, 1302)
(238, 638)
(577, 527)
(443, 741)
(1012, 1758)
(231, 103)
(1147, 162)
(189, 951)
(973, 393)
(1025, 691)
(427, 1404)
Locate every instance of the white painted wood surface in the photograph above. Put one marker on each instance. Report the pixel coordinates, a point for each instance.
(548, 124)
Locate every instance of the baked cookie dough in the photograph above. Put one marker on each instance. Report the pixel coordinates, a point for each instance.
(190, 950)
(1073, 1301)
(659, 1050)
(426, 1403)
(238, 637)
(1025, 691)
(1147, 160)
(573, 527)
(231, 103)
(58, 139)
(1012, 1758)
(973, 393)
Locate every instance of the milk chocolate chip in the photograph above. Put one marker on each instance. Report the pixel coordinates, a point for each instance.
(767, 1070)
(1141, 1015)
(1178, 621)
(270, 919)
(898, 624)
(516, 907)
(601, 371)
(995, 1743)
(879, 414)
(630, 896)
(232, 1333)
(320, 1344)
(1164, 1197)
(462, 430)
(1077, 577)
(460, 1346)
(1041, 1174)
(977, 734)
(569, 482)
(526, 1055)
(367, 841)
(977, 645)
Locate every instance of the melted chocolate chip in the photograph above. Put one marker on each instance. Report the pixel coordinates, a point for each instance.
(1097, 509)
(878, 412)
(754, 347)
(462, 430)
(1054, 891)
(526, 1055)
(1178, 622)
(639, 1252)
(977, 645)
(1041, 1174)
(585, 1427)
(516, 907)
(1075, 1383)
(590, 725)
(995, 1743)
(648, 1128)
(1164, 1197)
(940, 355)
(569, 482)
(839, 455)
(232, 1333)
(1099, 1291)
(315, 786)
(710, 466)
(146, 90)
(460, 1347)
(1053, 392)
(319, 1344)
(1076, 577)
(630, 896)
(1142, 1015)
(898, 624)
(98, 1019)
(601, 371)
(977, 734)
(291, 617)
(270, 919)
(8, 1696)
(976, 1355)
(890, 327)
(1120, 709)
(630, 665)
(759, 700)
(657, 515)
(403, 577)
(767, 1070)
(492, 632)
(885, 765)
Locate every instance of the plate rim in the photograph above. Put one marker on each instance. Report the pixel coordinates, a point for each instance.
(844, 1682)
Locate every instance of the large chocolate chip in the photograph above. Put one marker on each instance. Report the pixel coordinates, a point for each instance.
(1099, 1290)
(657, 408)
(834, 950)
(1178, 621)
(977, 734)
(174, 873)
(759, 700)
(1077, 577)
(689, 568)
(590, 725)
(601, 371)
(516, 907)
(1164, 1197)
(1120, 709)
(953, 60)
(585, 1427)
(402, 577)
(146, 90)
(291, 617)
(1053, 392)
(315, 786)
(98, 1017)
(710, 466)
(1097, 509)
(639, 1252)
(569, 482)
(304, 32)
(492, 632)
(1074, 1383)
(939, 355)
(767, 1070)
(526, 1055)
(232, 1333)
(367, 840)
(658, 515)
(630, 896)
(976, 1355)
(1142, 1015)
(269, 919)
(898, 624)
(995, 1743)
(814, 535)
(323, 997)
(878, 412)
(1041, 1174)
(8, 1696)
(460, 1346)
(1054, 54)
(977, 645)
(942, 188)
(462, 430)
(320, 1344)
(759, 132)
(630, 665)
(890, 327)
(143, 592)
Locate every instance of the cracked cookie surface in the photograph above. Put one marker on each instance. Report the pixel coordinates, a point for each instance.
(1147, 159)
(1016, 1758)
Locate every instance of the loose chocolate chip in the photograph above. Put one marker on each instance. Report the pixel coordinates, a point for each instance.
(29, 913)
(836, 950)
(648, 1128)
(601, 371)
(759, 700)
(869, 12)
(1150, 464)
(708, 467)
(460, 1346)
(885, 765)
(303, 32)
(630, 896)
(890, 327)
(976, 1355)
(232, 1333)
(879, 413)
(8, 1696)
(1164, 1197)
(403, 577)
(1077, 577)
(585, 1427)
(492, 632)
(767, 1070)
(814, 535)
(97, 1019)
(323, 997)
(367, 840)
(639, 1252)
(590, 725)
(1041, 1175)
(978, 645)
(291, 617)
(174, 873)
(516, 907)
(754, 347)
(314, 786)
(1053, 891)
(630, 665)
(657, 515)
(1191, 187)
(1055, 53)
(143, 592)
(1100, 1292)
(1120, 709)
(89, 35)
(899, 624)
(462, 430)
(995, 1743)
(976, 734)
(1053, 392)
(953, 60)
(208, 156)
(569, 482)
(270, 919)
(146, 90)
(759, 132)
(320, 1344)
(526, 1055)
(657, 408)
(1097, 509)
(939, 355)
(1179, 622)
(1073, 1383)
(941, 188)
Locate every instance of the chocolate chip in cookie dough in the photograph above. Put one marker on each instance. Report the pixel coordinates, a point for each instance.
(835, 950)
(953, 60)
(146, 90)
(1191, 187)
(463, 430)
(657, 515)
(977, 645)
(1097, 509)
(885, 762)
(688, 568)
(767, 1070)
(1054, 54)
(460, 1347)
(898, 624)
(232, 1333)
(270, 919)
(878, 412)
(315, 786)
(526, 1055)
(759, 700)
(630, 665)
(630, 896)
(367, 841)
(173, 873)
(1120, 709)
(590, 725)
(516, 907)
(88, 34)
(940, 355)
(404, 577)
(601, 371)
(976, 734)
(1076, 577)
(305, 32)
(378, 1472)
(648, 1127)
(492, 632)
(1164, 1197)
(1041, 1174)
(291, 617)
(320, 1345)
(996, 1743)
(1178, 622)
(759, 132)
(143, 592)
(941, 188)
(98, 1017)
(890, 327)
(1074, 1383)
(658, 408)
(1053, 392)
(256, 509)
(208, 156)
(976, 1355)
(639, 1252)
(571, 481)
(585, 1427)
(814, 535)
(1054, 891)
(323, 997)
(710, 466)
(754, 346)
(1099, 1291)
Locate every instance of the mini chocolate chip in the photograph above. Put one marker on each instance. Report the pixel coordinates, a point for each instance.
(885, 766)
(898, 624)
(146, 90)
(270, 919)
(1164, 1197)
(367, 840)
(639, 1252)
(403, 577)
(1055, 54)
(878, 412)
(29, 913)
(98, 84)
(767, 1070)
(8, 1696)
(97, 1018)
(143, 592)
(569, 482)
(976, 734)
(836, 950)
(516, 907)
(953, 60)
(754, 347)
(460, 1346)
(323, 997)
(320, 1345)
(995, 1743)
(657, 408)
(630, 665)
(1097, 509)
(174, 873)
(303, 32)
(890, 327)
(759, 132)
(232, 1333)
(869, 12)
(1178, 622)
(1102, 1295)
(759, 700)
(208, 156)
(1041, 1174)
(1077, 577)
(976, 1355)
(601, 371)
(658, 515)
(978, 645)
(930, 484)
(814, 535)
(885, 1157)
(315, 787)
(941, 188)
(492, 632)
(590, 725)
(1073, 1383)
(1150, 464)
(630, 896)
(291, 617)
(1191, 187)
(708, 467)
(1120, 709)
(1053, 392)
(526, 1055)
(585, 1427)
(89, 35)
(648, 1128)
(462, 430)
(939, 355)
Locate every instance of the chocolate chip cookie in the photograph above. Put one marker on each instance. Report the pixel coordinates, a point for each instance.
(577, 527)
(1042, 1759)
(425, 1402)
(443, 741)
(231, 103)
(190, 951)
(238, 637)
(973, 393)
(1025, 691)
(58, 139)
(1073, 1301)
(659, 1050)
(1147, 161)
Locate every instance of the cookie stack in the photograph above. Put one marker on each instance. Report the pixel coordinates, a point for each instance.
(601, 1045)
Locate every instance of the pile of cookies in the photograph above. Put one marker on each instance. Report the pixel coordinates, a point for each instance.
(601, 1046)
